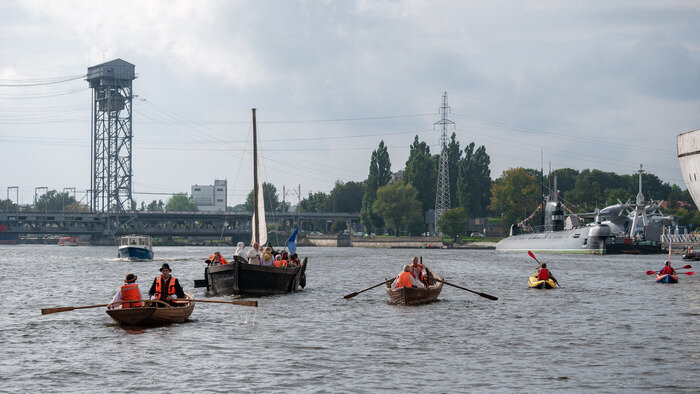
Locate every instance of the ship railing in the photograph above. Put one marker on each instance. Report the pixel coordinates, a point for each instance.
(680, 238)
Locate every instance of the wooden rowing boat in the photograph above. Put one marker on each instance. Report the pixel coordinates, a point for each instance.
(149, 316)
(416, 295)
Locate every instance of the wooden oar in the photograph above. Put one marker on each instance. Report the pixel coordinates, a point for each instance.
(47, 311)
(490, 297)
(235, 302)
(362, 291)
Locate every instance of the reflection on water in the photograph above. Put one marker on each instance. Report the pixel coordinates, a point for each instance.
(610, 328)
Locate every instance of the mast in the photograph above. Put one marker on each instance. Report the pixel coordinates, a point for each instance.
(255, 181)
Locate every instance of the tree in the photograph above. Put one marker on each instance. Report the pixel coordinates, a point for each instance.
(421, 172)
(53, 201)
(181, 202)
(316, 202)
(338, 226)
(347, 197)
(270, 197)
(156, 206)
(379, 175)
(515, 195)
(454, 156)
(566, 179)
(453, 223)
(8, 206)
(612, 196)
(398, 204)
(474, 183)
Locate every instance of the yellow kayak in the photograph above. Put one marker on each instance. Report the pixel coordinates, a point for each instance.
(540, 284)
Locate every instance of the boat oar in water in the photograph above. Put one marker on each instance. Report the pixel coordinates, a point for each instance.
(490, 297)
(362, 291)
(538, 262)
(47, 311)
(235, 302)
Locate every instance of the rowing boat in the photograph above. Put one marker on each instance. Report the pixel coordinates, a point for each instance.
(149, 316)
(416, 295)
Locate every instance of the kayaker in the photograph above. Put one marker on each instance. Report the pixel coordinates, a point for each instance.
(418, 270)
(165, 287)
(129, 291)
(254, 254)
(667, 269)
(542, 272)
(406, 279)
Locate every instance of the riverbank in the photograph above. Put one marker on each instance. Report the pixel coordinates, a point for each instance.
(390, 242)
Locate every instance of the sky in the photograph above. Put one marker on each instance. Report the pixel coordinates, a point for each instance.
(594, 84)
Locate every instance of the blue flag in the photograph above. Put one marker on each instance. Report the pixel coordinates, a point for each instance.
(292, 242)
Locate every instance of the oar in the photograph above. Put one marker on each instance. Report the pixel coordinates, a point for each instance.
(362, 291)
(235, 302)
(47, 311)
(490, 297)
(550, 275)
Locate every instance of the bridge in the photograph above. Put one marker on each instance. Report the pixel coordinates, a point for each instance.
(185, 224)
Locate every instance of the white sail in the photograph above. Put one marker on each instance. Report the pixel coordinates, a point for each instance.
(261, 224)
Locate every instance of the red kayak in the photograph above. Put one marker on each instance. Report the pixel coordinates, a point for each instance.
(666, 278)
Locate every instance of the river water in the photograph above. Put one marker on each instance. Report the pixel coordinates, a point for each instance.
(609, 328)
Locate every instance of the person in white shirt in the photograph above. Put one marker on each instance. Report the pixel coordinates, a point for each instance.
(254, 254)
(240, 251)
(130, 290)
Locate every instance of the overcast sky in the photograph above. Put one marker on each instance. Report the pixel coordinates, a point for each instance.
(594, 84)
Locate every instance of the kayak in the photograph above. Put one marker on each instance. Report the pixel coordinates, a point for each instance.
(540, 284)
(666, 278)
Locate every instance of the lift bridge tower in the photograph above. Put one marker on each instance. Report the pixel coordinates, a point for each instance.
(111, 136)
(442, 195)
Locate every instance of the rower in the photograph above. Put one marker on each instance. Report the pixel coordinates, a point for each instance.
(129, 291)
(406, 279)
(165, 287)
(418, 270)
(667, 269)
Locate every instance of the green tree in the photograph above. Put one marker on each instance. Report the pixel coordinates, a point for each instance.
(566, 179)
(474, 181)
(612, 196)
(379, 175)
(453, 223)
(454, 156)
(53, 201)
(398, 204)
(181, 202)
(515, 195)
(270, 197)
(316, 202)
(347, 197)
(421, 172)
(156, 206)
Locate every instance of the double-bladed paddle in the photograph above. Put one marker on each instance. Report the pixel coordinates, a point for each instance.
(538, 262)
(682, 268)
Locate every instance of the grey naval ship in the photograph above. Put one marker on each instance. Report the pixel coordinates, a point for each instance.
(619, 228)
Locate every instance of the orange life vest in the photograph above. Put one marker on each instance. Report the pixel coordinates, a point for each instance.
(222, 261)
(130, 292)
(419, 267)
(159, 291)
(404, 280)
(281, 263)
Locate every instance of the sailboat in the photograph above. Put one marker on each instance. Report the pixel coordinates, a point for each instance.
(240, 278)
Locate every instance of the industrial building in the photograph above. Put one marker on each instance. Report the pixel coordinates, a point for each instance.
(210, 198)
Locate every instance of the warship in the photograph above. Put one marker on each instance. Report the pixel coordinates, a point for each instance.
(618, 228)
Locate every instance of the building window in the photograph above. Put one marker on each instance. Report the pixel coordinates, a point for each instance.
(219, 190)
(219, 200)
(197, 189)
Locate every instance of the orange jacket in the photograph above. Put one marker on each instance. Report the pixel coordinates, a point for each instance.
(130, 292)
(171, 288)
(404, 280)
(223, 261)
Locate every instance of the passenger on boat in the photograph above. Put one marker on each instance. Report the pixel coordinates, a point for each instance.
(129, 291)
(218, 259)
(294, 260)
(240, 251)
(267, 258)
(406, 279)
(667, 269)
(279, 263)
(418, 270)
(166, 288)
(542, 272)
(254, 254)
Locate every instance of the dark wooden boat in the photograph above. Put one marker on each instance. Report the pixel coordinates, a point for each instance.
(241, 278)
(416, 295)
(150, 316)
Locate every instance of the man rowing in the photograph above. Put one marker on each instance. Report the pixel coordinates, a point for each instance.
(166, 288)
(418, 270)
(406, 279)
(129, 291)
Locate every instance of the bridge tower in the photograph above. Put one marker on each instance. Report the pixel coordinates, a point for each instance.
(111, 136)
(442, 195)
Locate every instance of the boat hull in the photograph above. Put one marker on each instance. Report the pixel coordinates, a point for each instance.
(151, 316)
(135, 253)
(415, 295)
(666, 278)
(238, 278)
(690, 256)
(535, 283)
(566, 241)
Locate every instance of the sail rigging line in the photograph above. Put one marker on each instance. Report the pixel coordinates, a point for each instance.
(269, 197)
(235, 182)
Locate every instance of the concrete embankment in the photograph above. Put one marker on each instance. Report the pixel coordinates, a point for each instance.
(389, 242)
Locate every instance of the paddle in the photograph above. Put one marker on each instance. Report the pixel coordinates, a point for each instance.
(47, 311)
(677, 273)
(362, 291)
(236, 302)
(682, 268)
(490, 297)
(550, 275)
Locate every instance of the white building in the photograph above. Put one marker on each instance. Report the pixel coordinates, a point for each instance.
(210, 198)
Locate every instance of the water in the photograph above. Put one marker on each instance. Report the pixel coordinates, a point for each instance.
(610, 328)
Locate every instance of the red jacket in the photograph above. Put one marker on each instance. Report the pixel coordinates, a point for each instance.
(544, 274)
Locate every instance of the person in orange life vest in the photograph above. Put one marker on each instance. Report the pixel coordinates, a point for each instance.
(667, 269)
(279, 262)
(218, 259)
(406, 279)
(129, 291)
(418, 270)
(294, 260)
(165, 287)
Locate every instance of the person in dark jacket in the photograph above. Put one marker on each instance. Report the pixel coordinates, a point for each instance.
(166, 287)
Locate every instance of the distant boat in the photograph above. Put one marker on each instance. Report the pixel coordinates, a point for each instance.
(68, 241)
(240, 278)
(136, 247)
